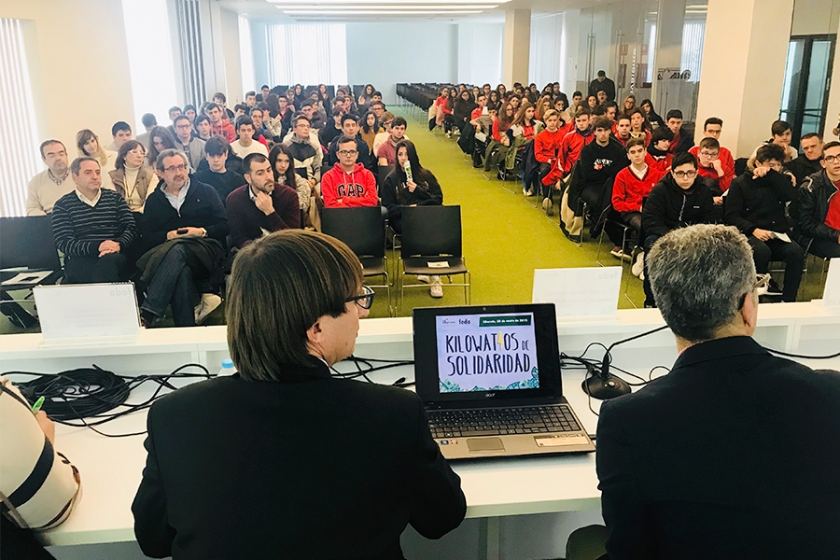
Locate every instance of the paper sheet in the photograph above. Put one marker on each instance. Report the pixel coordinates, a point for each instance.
(27, 278)
(579, 292)
(87, 310)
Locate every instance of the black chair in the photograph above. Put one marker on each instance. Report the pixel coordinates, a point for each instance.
(27, 246)
(431, 246)
(363, 230)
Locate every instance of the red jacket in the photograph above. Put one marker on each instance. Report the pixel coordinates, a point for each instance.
(497, 130)
(570, 148)
(629, 190)
(349, 190)
(547, 145)
(726, 161)
(225, 129)
(442, 104)
(660, 164)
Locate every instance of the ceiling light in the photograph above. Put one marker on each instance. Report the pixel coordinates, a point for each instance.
(343, 8)
(377, 12)
(442, 3)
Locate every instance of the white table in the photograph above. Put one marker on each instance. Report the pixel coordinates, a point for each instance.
(111, 468)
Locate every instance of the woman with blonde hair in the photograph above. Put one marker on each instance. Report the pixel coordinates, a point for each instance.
(89, 145)
(629, 105)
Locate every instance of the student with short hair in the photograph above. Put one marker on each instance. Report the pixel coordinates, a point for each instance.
(622, 129)
(121, 133)
(682, 141)
(633, 184)
(717, 165)
(809, 163)
(245, 144)
(306, 153)
(45, 188)
(217, 174)
(781, 133)
(220, 126)
(148, 121)
(818, 208)
(186, 142)
(658, 148)
(639, 126)
(387, 154)
(350, 128)
(547, 146)
(203, 128)
(348, 184)
(599, 161)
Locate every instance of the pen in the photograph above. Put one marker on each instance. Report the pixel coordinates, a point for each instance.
(38, 404)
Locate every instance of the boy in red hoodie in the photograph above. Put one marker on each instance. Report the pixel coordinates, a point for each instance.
(547, 149)
(348, 184)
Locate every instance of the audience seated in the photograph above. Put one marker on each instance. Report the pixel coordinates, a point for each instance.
(801, 167)
(660, 142)
(203, 128)
(184, 229)
(682, 141)
(604, 84)
(217, 174)
(48, 186)
(680, 199)
(654, 119)
(498, 146)
(462, 110)
(219, 126)
(523, 129)
(781, 134)
(308, 191)
(386, 155)
(622, 128)
(350, 129)
(246, 144)
(262, 206)
(716, 164)
(332, 128)
(186, 142)
(306, 151)
(256, 114)
(369, 129)
(818, 209)
(348, 184)
(160, 139)
(547, 146)
(92, 227)
(121, 133)
(756, 205)
(599, 162)
(220, 99)
(639, 126)
(132, 178)
(149, 122)
(570, 149)
(633, 184)
(88, 144)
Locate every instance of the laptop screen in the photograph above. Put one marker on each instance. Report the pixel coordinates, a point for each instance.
(486, 352)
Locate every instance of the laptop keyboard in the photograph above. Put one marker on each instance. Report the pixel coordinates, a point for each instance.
(501, 421)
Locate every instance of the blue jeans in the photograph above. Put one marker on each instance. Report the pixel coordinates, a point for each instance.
(173, 284)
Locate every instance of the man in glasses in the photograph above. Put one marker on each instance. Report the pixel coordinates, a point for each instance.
(680, 199)
(184, 227)
(348, 184)
(715, 459)
(818, 213)
(189, 144)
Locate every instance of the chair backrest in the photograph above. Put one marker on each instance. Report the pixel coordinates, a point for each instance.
(28, 242)
(431, 230)
(362, 229)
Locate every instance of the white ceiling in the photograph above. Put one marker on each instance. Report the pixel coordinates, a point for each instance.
(265, 10)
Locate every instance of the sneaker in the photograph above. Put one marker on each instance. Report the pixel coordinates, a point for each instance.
(617, 252)
(436, 289)
(424, 278)
(638, 268)
(762, 284)
(642, 275)
(209, 302)
(449, 134)
(548, 206)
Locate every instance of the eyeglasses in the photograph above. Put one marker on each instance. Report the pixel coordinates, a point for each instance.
(831, 159)
(347, 152)
(172, 168)
(709, 154)
(685, 174)
(365, 300)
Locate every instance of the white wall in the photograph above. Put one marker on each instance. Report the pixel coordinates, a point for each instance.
(547, 63)
(232, 57)
(480, 53)
(77, 55)
(384, 53)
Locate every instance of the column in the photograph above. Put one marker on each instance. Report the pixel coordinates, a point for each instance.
(831, 118)
(743, 69)
(517, 47)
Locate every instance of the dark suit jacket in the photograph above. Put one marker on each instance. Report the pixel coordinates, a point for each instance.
(309, 468)
(734, 454)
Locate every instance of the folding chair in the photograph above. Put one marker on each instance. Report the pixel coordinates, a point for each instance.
(28, 248)
(363, 230)
(431, 246)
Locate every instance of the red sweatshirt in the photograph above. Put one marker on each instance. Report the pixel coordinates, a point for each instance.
(498, 130)
(726, 162)
(442, 105)
(547, 145)
(629, 190)
(349, 190)
(571, 146)
(660, 164)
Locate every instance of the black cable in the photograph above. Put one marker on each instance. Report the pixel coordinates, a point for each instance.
(802, 356)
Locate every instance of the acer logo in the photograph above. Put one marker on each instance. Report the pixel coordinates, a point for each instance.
(489, 395)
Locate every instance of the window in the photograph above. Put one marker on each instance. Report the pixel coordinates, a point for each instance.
(307, 54)
(19, 159)
(246, 50)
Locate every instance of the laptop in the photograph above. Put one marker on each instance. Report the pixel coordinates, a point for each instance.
(489, 378)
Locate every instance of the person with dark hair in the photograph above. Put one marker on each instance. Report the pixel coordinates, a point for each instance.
(369, 128)
(174, 112)
(324, 96)
(45, 188)
(348, 184)
(133, 179)
(92, 227)
(639, 126)
(633, 184)
(160, 139)
(499, 144)
(121, 133)
(332, 128)
(652, 117)
(680, 199)
(748, 482)
(220, 126)
(283, 165)
(148, 121)
(186, 142)
(387, 154)
(251, 99)
(220, 99)
(660, 142)
(462, 110)
(306, 154)
(621, 129)
(184, 229)
(599, 162)
(710, 167)
(217, 174)
(265, 91)
(246, 144)
(203, 127)
(88, 144)
(443, 115)
(350, 129)
(191, 112)
(260, 206)
(547, 146)
(756, 205)
(682, 141)
(377, 107)
(610, 110)
(602, 83)
(781, 134)
(818, 209)
(316, 119)
(812, 147)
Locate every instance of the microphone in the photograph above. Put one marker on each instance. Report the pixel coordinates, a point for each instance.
(602, 384)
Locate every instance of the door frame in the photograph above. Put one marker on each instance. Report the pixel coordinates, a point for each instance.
(799, 105)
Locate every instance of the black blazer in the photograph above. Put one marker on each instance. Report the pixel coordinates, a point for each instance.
(734, 454)
(310, 468)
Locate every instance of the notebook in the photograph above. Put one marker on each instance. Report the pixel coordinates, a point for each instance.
(489, 378)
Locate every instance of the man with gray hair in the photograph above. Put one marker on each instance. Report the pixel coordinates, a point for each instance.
(734, 453)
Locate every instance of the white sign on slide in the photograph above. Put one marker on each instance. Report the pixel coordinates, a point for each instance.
(71, 312)
(579, 293)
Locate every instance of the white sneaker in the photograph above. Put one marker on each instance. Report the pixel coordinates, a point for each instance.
(424, 278)
(436, 289)
(449, 134)
(548, 206)
(209, 302)
(638, 267)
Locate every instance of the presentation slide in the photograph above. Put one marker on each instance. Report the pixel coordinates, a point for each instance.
(487, 352)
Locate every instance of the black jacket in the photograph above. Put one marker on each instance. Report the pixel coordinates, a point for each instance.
(598, 163)
(607, 85)
(669, 207)
(305, 468)
(733, 454)
(684, 143)
(394, 193)
(759, 203)
(801, 167)
(201, 209)
(812, 208)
